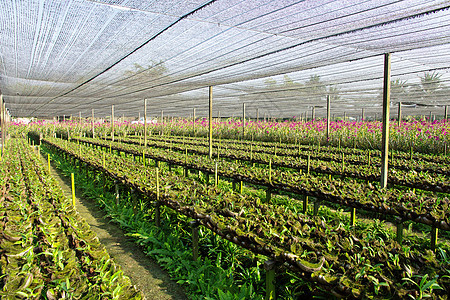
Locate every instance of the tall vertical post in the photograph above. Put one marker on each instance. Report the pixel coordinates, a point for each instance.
(313, 113)
(210, 121)
(145, 122)
(399, 114)
(328, 117)
(2, 116)
(445, 112)
(243, 120)
(73, 188)
(112, 122)
(385, 120)
(193, 121)
(93, 132)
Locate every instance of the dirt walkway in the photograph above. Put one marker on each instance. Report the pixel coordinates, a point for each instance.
(154, 282)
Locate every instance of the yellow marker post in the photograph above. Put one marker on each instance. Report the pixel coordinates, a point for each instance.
(73, 189)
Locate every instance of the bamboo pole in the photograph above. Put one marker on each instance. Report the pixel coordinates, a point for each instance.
(210, 121)
(385, 120)
(145, 122)
(445, 112)
(328, 117)
(399, 114)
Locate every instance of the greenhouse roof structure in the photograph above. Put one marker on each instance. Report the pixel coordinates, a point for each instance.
(281, 57)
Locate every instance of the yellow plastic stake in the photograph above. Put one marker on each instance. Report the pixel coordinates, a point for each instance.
(72, 177)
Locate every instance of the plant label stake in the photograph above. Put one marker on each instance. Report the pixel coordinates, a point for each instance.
(72, 177)
(269, 266)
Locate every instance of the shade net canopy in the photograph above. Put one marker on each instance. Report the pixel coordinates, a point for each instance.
(280, 58)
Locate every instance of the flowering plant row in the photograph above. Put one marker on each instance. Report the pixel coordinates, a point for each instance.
(404, 172)
(421, 207)
(327, 254)
(47, 250)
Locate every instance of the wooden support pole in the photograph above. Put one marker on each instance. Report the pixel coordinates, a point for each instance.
(93, 131)
(316, 207)
(385, 120)
(399, 114)
(116, 186)
(305, 204)
(434, 238)
(72, 177)
(269, 267)
(112, 123)
(328, 118)
(195, 238)
(313, 113)
(157, 211)
(145, 122)
(243, 120)
(210, 122)
(446, 112)
(193, 121)
(2, 117)
(216, 175)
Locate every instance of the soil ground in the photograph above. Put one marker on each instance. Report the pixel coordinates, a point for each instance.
(148, 277)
